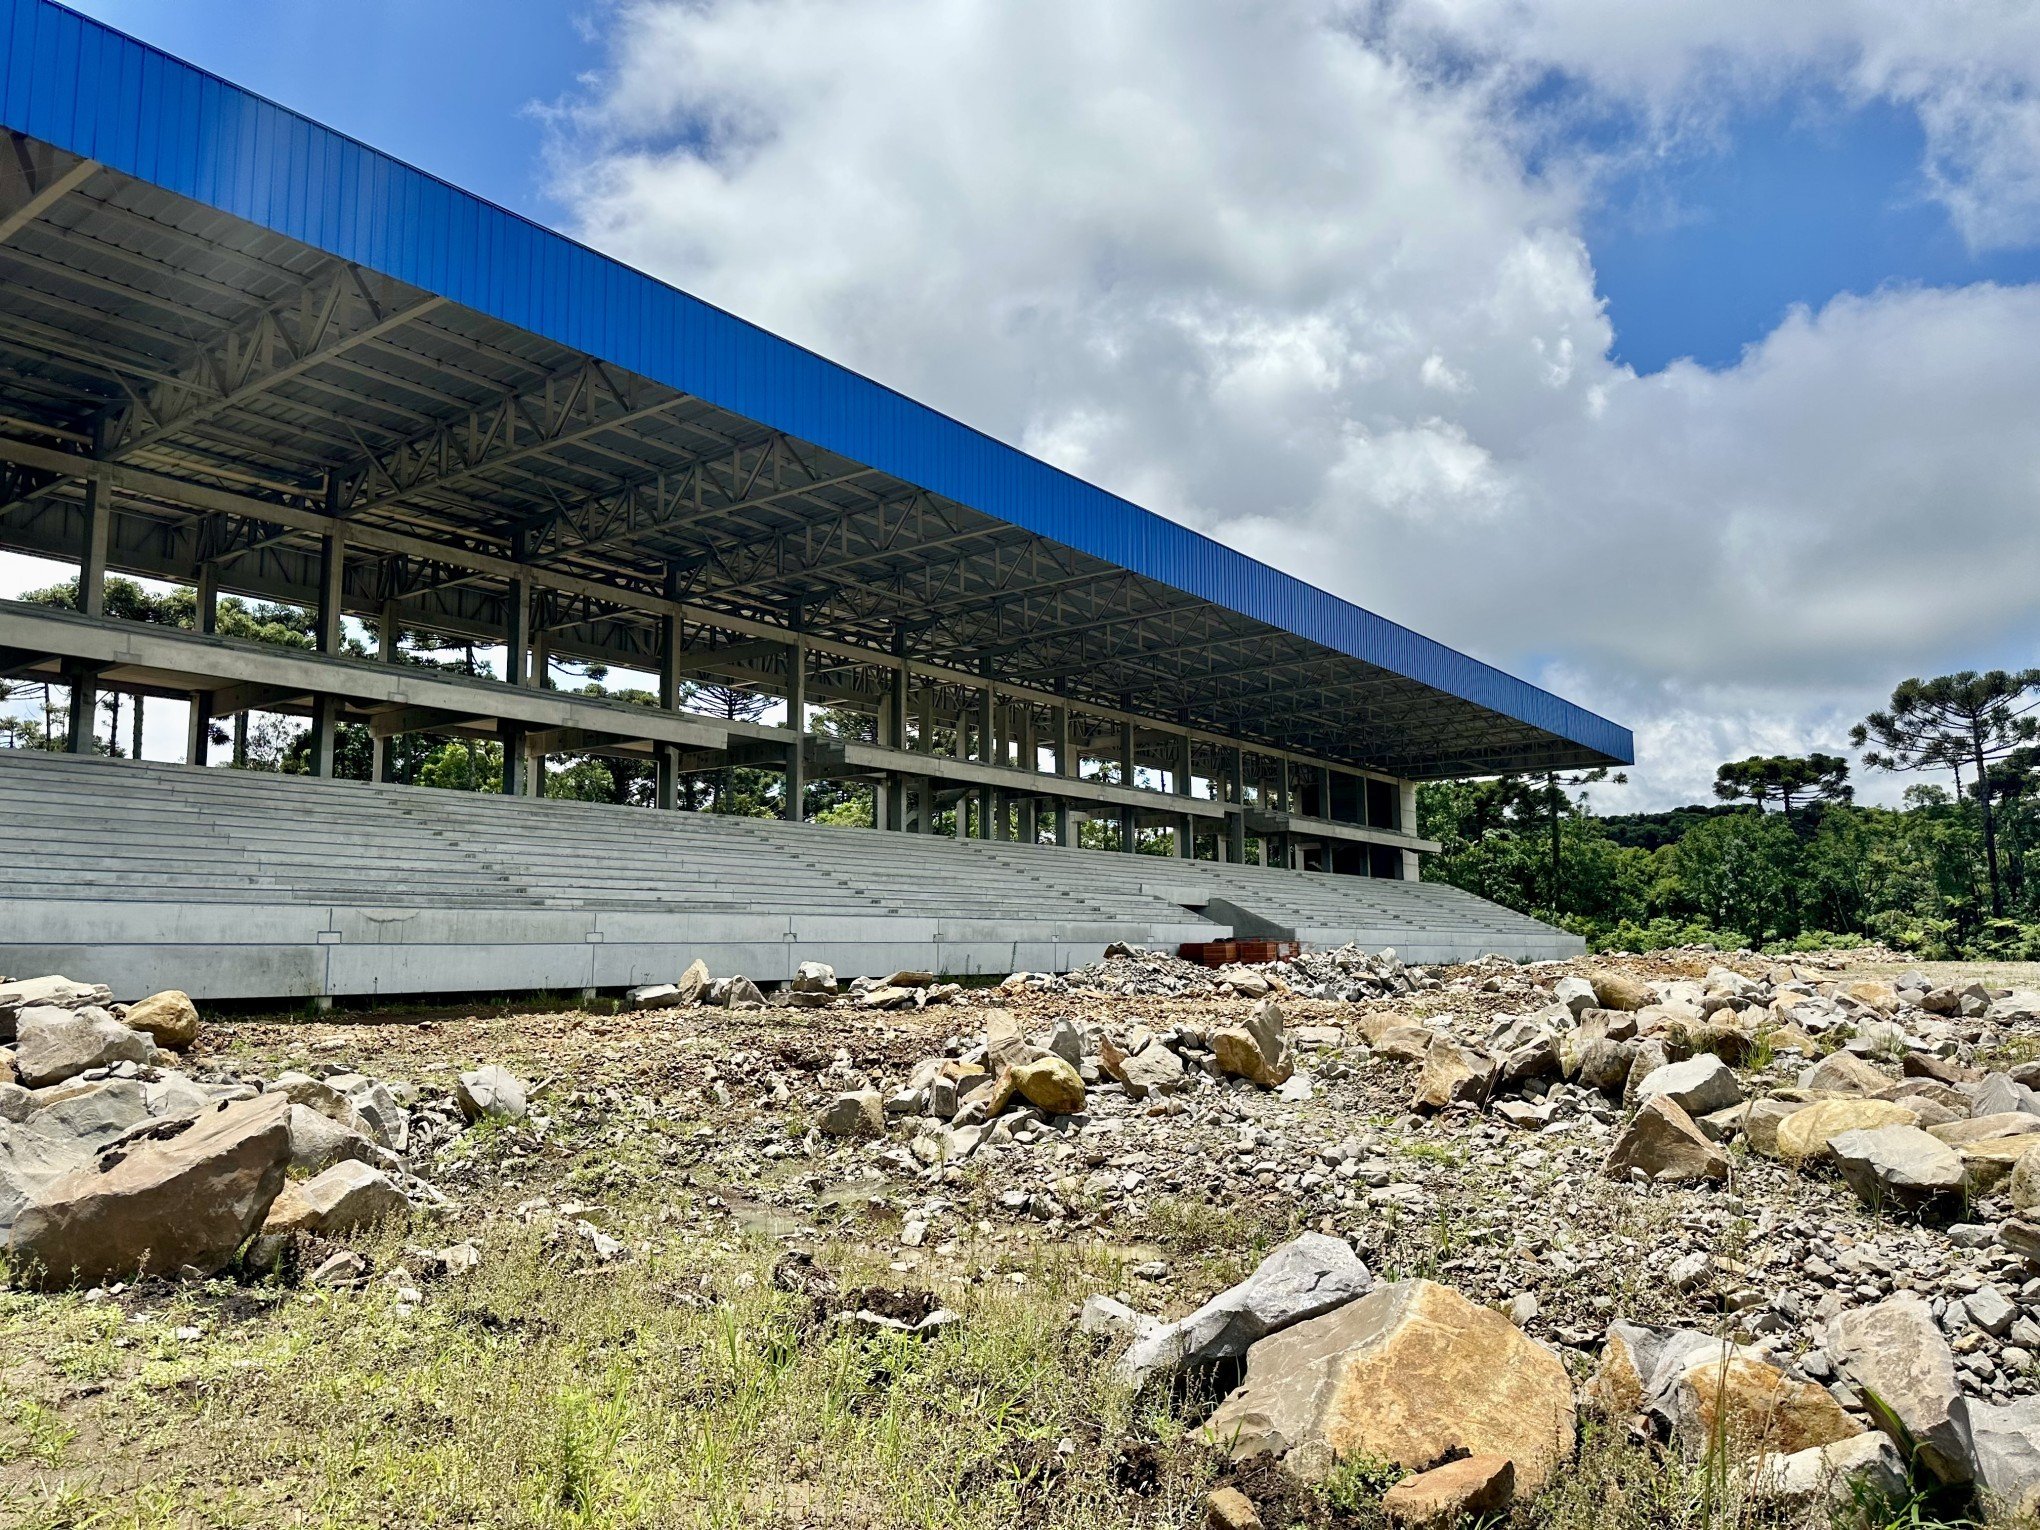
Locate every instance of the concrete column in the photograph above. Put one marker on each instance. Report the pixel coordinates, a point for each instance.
(98, 538)
(1030, 760)
(924, 719)
(380, 764)
(206, 603)
(1065, 765)
(517, 671)
(1236, 821)
(83, 681)
(796, 719)
(1128, 820)
(889, 799)
(1179, 775)
(198, 730)
(330, 633)
(666, 760)
(91, 602)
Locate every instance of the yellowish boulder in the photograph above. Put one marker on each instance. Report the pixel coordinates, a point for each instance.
(170, 1018)
(1411, 1373)
(1986, 1164)
(1447, 1494)
(1805, 1134)
(1617, 990)
(1049, 1083)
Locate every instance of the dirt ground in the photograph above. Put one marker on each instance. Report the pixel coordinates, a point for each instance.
(633, 1346)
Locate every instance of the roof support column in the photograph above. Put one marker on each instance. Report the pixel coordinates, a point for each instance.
(91, 597)
(1030, 760)
(666, 759)
(1186, 828)
(1235, 839)
(1059, 746)
(991, 806)
(796, 720)
(381, 760)
(325, 741)
(1406, 795)
(198, 726)
(517, 670)
(1129, 826)
(889, 796)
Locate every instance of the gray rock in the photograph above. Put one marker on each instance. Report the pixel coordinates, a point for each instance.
(492, 1093)
(2004, 1452)
(1114, 1319)
(859, 1113)
(1895, 1356)
(318, 1142)
(1699, 1085)
(55, 1044)
(1865, 1470)
(1575, 993)
(1307, 1276)
(1991, 1310)
(1998, 1093)
(51, 992)
(1897, 1166)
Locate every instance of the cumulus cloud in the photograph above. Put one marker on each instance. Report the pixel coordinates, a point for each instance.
(1310, 277)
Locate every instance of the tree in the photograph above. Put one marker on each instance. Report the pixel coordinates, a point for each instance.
(1943, 723)
(1814, 777)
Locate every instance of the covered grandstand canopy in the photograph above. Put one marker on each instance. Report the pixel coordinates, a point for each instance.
(259, 339)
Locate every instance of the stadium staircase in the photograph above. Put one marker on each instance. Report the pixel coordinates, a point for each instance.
(233, 884)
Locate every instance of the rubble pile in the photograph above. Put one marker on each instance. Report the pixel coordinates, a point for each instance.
(119, 1160)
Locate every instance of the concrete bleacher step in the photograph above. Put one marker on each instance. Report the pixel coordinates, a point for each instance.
(290, 885)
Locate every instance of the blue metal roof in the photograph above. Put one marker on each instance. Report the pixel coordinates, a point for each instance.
(99, 93)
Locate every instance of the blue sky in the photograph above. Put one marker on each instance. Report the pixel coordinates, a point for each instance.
(1698, 253)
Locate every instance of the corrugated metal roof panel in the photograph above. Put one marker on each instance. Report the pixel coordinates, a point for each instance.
(97, 92)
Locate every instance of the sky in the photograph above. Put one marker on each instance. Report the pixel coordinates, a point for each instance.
(1676, 357)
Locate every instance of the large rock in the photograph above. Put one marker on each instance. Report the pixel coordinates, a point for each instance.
(169, 1018)
(1844, 1073)
(1257, 1049)
(1897, 1166)
(51, 992)
(347, 1196)
(55, 1044)
(52, 1137)
(1717, 1397)
(1760, 1120)
(1999, 1094)
(1616, 990)
(2024, 1189)
(1006, 1043)
(1154, 1069)
(1863, 1471)
(1576, 994)
(1989, 1163)
(2004, 1454)
(1301, 1279)
(492, 1093)
(1805, 1134)
(318, 1141)
(1600, 1062)
(1895, 1355)
(1412, 1373)
(1698, 1086)
(1051, 1084)
(171, 1194)
(1667, 1144)
(1453, 1075)
(859, 1113)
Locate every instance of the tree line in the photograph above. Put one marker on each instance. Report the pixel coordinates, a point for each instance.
(1786, 857)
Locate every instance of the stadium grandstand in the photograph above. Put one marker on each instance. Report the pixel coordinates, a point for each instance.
(243, 354)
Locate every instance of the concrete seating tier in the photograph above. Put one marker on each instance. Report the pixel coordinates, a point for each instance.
(234, 884)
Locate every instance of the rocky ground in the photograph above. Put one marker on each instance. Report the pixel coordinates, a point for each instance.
(1678, 1239)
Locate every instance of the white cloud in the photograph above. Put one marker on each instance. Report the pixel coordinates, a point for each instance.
(1288, 273)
